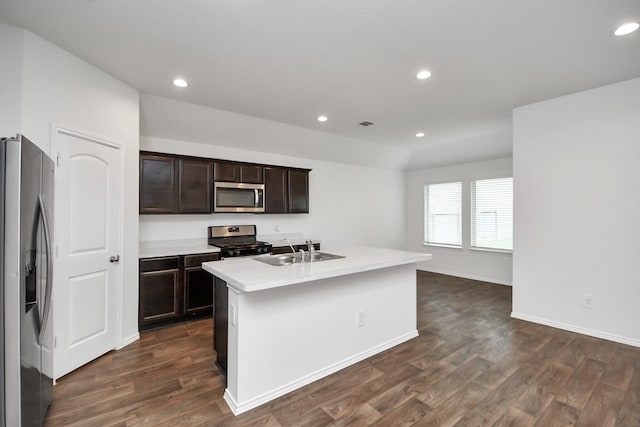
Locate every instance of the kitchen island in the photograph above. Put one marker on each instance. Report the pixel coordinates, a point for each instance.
(291, 325)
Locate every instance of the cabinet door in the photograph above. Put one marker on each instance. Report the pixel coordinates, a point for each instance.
(251, 174)
(226, 171)
(159, 296)
(195, 186)
(158, 189)
(198, 291)
(198, 284)
(298, 183)
(275, 183)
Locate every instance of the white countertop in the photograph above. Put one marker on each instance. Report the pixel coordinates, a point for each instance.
(160, 248)
(248, 275)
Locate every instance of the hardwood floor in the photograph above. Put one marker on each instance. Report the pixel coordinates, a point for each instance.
(472, 365)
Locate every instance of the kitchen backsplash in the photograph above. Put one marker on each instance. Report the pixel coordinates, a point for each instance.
(172, 227)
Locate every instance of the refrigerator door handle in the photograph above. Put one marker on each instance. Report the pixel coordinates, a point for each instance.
(49, 267)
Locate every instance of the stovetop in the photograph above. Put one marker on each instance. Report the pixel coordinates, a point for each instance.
(237, 240)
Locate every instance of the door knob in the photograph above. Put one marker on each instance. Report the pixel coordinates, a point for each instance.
(114, 258)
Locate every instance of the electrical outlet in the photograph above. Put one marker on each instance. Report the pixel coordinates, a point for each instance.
(360, 318)
(589, 301)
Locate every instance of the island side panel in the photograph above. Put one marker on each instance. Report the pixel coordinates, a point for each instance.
(232, 348)
(287, 337)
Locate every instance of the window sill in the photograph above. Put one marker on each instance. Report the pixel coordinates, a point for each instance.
(441, 245)
(492, 250)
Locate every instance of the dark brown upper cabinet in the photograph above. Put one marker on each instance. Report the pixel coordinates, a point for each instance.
(252, 174)
(158, 184)
(286, 190)
(195, 186)
(275, 190)
(298, 194)
(173, 184)
(238, 172)
(226, 171)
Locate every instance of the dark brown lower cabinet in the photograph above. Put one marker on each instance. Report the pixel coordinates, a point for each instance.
(159, 290)
(174, 288)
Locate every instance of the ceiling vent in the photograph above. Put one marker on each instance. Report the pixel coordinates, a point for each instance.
(365, 124)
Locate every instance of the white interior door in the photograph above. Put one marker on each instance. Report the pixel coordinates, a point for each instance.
(88, 218)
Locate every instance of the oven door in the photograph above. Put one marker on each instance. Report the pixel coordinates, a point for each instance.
(238, 197)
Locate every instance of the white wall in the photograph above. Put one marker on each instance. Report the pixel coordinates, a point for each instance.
(349, 205)
(169, 118)
(487, 144)
(577, 212)
(59, 88)
(480, 265)
(11, 46)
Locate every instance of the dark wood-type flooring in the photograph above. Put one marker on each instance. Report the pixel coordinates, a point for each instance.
(472, 365)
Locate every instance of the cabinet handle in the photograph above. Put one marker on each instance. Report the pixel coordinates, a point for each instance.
(114, 258)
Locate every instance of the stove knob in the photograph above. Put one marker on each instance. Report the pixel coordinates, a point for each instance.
(237, 252)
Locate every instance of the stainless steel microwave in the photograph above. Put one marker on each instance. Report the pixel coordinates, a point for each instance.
(238, 197)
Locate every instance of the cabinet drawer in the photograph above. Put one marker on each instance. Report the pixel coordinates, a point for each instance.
(197, 260)
(156, 264)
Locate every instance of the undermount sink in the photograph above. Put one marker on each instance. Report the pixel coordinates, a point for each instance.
(289, 259)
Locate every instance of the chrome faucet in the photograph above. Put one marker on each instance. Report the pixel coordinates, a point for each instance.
(310, 247)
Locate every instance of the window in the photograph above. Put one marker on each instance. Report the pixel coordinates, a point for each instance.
(492, 214)
(443, 214)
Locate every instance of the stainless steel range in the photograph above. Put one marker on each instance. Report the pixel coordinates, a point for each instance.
(237, 240)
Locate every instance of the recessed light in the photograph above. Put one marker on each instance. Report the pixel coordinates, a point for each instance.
(424, 74)
(180, 83)
(627, 28)
(419, 134)
(322, 118)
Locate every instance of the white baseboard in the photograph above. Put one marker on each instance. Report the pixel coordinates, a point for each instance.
(240, 407)
(577, 329)
(133, 338)
(466, 276)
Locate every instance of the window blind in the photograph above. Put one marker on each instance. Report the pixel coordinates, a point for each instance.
(443, 214)
(492, 214)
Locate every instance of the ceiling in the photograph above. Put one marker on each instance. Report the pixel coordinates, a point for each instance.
(291, 60)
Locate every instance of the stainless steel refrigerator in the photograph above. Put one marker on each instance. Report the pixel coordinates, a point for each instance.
(26, 272)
